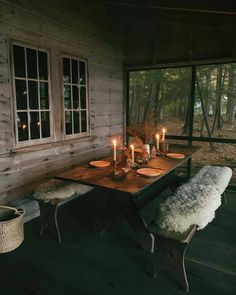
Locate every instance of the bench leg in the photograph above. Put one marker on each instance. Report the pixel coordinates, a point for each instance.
(170, 254)
(225, 198)
(48, 214)
(179, 250)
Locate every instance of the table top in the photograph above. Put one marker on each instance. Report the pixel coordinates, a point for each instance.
(133, 182)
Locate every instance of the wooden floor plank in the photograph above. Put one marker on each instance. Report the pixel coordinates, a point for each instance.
(113, 264)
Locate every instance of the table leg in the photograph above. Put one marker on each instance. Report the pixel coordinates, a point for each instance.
(130, 211)
(123, 203)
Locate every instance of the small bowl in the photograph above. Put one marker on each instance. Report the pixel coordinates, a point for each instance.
(125, 170)
(119, 176)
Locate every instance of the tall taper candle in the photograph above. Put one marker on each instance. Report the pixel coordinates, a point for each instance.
(114, 150)
(132, 153)
(163, 134)
(157, 142)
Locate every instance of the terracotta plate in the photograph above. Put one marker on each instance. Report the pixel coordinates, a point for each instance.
(175, 156)
(100, 164)
(148, 172)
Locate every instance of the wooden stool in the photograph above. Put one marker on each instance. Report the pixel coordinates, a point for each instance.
(52, 194)
(170, 248)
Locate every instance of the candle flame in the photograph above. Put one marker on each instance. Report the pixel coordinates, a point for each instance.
(164, 130)
(132, 146)
(157, 136)
(114, 142)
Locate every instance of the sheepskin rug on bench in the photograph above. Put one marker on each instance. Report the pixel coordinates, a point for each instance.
(194, 202)
(215, 175)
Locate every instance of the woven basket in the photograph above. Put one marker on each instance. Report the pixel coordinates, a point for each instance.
(11, 228)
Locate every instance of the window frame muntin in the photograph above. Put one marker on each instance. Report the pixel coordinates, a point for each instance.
(88, 132)
(30, 142)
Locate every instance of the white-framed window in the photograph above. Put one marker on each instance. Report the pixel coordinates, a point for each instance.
(32, 101)
(75, 96)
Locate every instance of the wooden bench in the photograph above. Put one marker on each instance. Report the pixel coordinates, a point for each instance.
(169, 252)
(190, 208)
(52, 194)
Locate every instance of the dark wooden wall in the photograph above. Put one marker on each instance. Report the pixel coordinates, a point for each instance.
(79, 28)
(167, 32)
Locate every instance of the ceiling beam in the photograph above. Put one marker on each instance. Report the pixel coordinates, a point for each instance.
(183, 8)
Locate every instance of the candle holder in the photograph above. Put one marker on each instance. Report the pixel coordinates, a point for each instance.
(134, 165)
(164, 146)
(158, 152)
(114, 166)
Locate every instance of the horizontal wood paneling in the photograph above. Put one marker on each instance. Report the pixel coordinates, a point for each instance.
(180, 37)
(106, 72)
(33, 24)
(106, 119)
(20, 19)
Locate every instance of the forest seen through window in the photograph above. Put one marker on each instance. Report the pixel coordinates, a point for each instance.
(165, 94)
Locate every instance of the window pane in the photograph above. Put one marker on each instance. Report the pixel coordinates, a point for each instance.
(43, 65)
(68, 122)
(83, 104)
(74, 71)
(19, 61)
(215, 101)
(44, 101)
(76, 122)
(83, 121)
(75, 97)
(31, 63)
(33, 95)
(21, 95)
(22, 122)
(82, 73)
(66, 70)
(67, 96)
(34, 125)
(45, 124)
(164, 95)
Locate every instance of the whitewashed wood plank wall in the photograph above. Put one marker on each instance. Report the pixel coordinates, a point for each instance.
(57, 29)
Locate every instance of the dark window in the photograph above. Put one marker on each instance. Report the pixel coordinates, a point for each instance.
(19, 61)
(31, 93)
(21, 95)
(31, 63)
(43, 65)
(75, 96)
(22, 124)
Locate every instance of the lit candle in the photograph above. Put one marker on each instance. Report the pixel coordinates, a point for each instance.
(157, 141)
(114, 150)
(163, 134)
(132, 153)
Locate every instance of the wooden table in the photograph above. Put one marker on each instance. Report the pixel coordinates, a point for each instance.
(130, 194)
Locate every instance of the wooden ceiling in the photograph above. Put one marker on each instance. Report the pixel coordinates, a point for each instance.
(168, 31)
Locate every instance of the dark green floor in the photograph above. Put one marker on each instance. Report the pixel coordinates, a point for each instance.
(113, 264)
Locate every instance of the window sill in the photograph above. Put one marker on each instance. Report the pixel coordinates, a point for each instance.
(51, 145)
